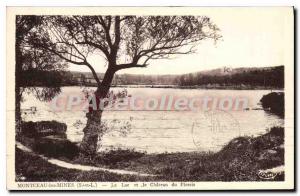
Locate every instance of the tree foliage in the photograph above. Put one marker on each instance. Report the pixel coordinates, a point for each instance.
(35, 67)
(124, 41)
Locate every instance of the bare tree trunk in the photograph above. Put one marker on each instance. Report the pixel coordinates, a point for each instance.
(93, 130)
(18, 93)
(18, 118)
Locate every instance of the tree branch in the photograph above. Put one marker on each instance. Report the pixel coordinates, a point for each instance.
(101, 48)
(94, 73)
(84, 62)
(129, 65)
(106, 29)
(117, 31)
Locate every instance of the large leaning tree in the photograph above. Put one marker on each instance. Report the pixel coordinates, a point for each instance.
(125, 42)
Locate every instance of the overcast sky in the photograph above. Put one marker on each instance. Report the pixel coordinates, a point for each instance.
(251, 37)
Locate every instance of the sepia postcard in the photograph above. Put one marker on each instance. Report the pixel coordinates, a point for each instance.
(150, 98)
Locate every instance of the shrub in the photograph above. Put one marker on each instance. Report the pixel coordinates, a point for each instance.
(43, 128)
(56, 148)
(274, 102)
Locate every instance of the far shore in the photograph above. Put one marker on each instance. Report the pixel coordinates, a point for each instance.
(213, 87)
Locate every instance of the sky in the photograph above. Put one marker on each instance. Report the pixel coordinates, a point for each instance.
(251, 37)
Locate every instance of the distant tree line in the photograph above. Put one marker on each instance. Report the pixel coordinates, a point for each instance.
(273, 77)
(260, 77)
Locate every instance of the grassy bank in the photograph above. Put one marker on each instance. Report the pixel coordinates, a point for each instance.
(32, 168)
(240, 160)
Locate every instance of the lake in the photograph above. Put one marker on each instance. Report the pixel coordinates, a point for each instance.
(165, 131)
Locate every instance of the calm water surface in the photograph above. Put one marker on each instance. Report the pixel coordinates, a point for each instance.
(165, 131)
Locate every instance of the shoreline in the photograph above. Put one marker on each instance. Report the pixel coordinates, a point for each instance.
(178, 87)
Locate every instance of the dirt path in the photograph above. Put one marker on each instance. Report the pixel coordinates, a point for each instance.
(78, 166)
